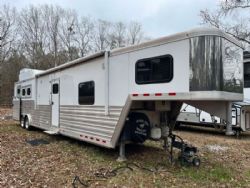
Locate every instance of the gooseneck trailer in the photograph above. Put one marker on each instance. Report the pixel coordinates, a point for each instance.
(134, 93)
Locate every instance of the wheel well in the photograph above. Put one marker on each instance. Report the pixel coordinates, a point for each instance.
(24, 117)
(27, 117)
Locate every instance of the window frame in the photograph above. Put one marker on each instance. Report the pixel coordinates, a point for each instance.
(93, 92)
(155, 81)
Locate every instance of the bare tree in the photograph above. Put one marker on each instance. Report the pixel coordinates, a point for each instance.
(102, 31)
(117, 37)
(33, 33)
(135, 33)
(68, 25)
(232, 16)
(52, 17)
(229, 5)
(9, 75)
(7, 31)
(84, 33)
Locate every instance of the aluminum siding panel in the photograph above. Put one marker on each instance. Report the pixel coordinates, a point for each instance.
(89, 122)
(42, 116)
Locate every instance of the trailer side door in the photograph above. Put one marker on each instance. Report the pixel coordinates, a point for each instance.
(55, 102)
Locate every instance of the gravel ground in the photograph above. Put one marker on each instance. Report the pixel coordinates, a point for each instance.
(55, 164)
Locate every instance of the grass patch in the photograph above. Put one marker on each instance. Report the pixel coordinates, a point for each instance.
(216, 174)
(14, 127)
(248, 174)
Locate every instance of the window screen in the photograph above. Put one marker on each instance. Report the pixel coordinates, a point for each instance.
(86, 93)
(247, 75)
(23, 92)
(154, 70)
(55, 88)
(28, 91)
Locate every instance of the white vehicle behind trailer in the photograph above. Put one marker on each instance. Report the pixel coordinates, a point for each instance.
(190, 115)
(134, 93)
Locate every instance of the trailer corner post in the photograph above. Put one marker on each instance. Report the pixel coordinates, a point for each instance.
(106, 67)
(229, 128)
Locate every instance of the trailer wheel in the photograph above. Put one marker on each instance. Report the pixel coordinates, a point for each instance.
(22, 122)
(196, 161)
(26, 123)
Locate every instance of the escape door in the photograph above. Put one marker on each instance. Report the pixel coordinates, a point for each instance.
(55, 100)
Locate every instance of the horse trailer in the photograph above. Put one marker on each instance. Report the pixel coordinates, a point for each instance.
(190, 115)
(134, 93)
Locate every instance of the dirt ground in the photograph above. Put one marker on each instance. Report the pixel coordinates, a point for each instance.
(5, 114)
(225, 161)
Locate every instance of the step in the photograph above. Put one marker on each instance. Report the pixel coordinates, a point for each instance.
(52, 131)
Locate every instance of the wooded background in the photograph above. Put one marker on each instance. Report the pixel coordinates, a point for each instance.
(45, 36)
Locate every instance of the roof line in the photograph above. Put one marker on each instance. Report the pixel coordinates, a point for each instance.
(176, 37)
(72, 63)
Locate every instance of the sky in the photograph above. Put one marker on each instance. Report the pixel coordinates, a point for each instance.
(158, 17)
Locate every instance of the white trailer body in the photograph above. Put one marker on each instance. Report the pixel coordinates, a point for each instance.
(95, 97)
(190, 115)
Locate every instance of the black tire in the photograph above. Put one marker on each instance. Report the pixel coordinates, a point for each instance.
(22, 122)
(196, 161)
(26, 123)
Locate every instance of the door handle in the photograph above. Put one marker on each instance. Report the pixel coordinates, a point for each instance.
(52, 102)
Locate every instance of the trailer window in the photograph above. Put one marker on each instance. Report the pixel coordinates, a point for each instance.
(55, 88)
(86, 93)
(247, 75)
(154, 70)
(23, 92)
(18, 91)
(28, 91)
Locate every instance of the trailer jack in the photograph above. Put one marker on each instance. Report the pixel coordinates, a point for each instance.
(188, 153)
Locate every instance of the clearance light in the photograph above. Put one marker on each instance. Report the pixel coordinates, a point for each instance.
(171, 94)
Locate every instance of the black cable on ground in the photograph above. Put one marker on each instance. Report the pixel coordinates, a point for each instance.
(104, 174)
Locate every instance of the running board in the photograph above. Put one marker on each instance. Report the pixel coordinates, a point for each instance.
(52, 131)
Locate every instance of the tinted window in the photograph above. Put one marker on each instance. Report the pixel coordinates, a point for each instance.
(247, 75)
(86, 93)
(28, 91)
(154, 70)
(23, 92)
(18, 91)
(55, 88)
